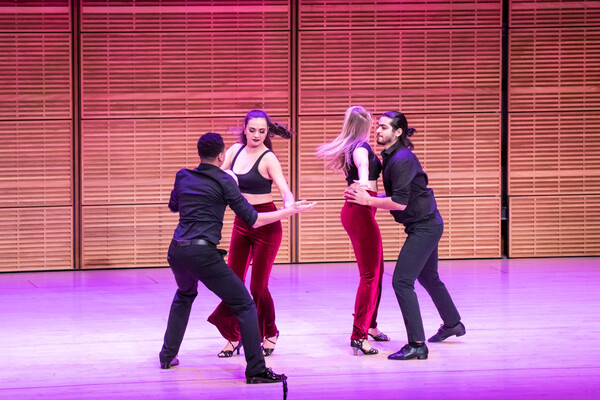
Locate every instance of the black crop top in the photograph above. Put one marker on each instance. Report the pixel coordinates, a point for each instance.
(374, 166)
(252, 182)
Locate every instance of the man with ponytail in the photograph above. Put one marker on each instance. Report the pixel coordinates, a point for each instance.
(412, 204)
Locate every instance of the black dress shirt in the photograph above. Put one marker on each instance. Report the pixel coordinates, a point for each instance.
(200, 196)
(406, 183)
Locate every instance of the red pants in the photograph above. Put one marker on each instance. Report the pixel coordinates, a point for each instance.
(359, 221)
(260, 247)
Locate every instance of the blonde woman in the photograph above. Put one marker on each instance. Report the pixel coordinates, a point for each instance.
(351, 154)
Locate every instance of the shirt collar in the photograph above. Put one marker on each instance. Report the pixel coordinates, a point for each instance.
(206, 166)
(390, 151)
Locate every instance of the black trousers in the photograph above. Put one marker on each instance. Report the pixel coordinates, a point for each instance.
(191, 264)
(418, 259)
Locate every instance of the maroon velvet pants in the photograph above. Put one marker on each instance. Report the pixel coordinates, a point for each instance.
(359, 221)
(260, 247)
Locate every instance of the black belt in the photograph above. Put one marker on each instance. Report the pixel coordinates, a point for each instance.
(192, 242)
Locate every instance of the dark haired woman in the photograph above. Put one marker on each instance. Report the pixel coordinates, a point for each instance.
(413, 205)
(256, 168)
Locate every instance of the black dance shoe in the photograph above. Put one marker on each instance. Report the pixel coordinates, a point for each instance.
(229, 353)
(357, 344)
(267, 376)
(445, 332)
(409, 352)
(382, 337)
(168, 364)
(268, 351)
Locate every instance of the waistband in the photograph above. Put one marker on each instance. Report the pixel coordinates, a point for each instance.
(265, 207)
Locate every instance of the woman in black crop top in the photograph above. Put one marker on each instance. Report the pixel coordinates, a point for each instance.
(255, 167)
(351, 153)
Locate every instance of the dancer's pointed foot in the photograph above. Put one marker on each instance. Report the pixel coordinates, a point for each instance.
(446, 331)
(269, 344)
(378, 336)
(229, 349)
(362, 345)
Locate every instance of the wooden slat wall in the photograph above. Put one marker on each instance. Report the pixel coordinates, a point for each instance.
(392, 14)
(35, 136)
(554, 128)
(410, 56)
(553, 13)
(557, 226)
(155, 76)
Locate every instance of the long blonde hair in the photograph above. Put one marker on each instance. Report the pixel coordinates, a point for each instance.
(355, 131)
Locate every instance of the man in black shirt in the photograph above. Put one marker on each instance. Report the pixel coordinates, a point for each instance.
(200, 196)
(412, 204)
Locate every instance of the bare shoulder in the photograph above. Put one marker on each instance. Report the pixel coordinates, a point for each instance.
(360, 150)
(234, 148)
(271, 160)
(360, 154)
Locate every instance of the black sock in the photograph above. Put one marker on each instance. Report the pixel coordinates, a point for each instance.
(416, 344)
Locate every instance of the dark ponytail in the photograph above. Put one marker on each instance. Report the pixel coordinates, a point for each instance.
(274, 129)
(399, 122)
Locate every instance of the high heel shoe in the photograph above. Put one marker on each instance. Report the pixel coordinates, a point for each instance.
(381, 337)
(229, 353)
(357, 344)
(268, 351)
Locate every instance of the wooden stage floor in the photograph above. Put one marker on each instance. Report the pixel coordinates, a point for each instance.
(533, 332)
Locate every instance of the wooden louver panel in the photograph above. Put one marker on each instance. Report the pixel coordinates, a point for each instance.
(35, 72)
(35, 163)
(471, 227)
(315, 181)
(555, 226)
(544, 13)
(554, 69)
(555, 153)
(184, 74)
(416, 71)
(126, 236)
(35, 16)
(189, 15)
(408, 14)
(321, 237)
(35, 238)
(135, 161)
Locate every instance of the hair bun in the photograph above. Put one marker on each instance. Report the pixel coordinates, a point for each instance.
(410, 131)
